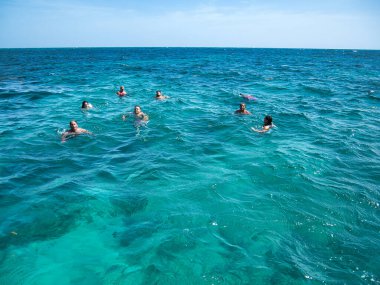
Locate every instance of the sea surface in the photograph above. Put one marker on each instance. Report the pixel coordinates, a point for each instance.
(194, 196)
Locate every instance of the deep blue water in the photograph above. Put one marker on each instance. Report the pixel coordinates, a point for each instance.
(194, 196)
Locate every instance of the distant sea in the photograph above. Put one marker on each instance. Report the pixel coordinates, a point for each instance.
(194, 196)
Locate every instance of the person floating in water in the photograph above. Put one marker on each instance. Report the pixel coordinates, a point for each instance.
(268, 124)
(248, 97)
(86, 105)
(242, 110)
(121, 92)
(139, 115)
(74, 131)
(159, 95)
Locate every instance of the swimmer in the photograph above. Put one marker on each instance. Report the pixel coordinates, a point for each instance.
(159, 95)
(121, 91)
(266, 126)
(86, 105)
(139, 115)
(242, 110)
(248, 97)
(74, 131)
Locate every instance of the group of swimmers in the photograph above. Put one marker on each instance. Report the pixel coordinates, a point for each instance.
(139, 115)
(159, 95)
(268, 124)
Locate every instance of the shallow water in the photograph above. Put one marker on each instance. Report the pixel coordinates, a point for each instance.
(194, 196)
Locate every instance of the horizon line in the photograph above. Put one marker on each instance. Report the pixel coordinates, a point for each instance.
(184, 47)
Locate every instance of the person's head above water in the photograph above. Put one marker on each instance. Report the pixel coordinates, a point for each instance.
(267, 120)
(139, 114)
(74, 131)
(85, 104)
(137, 109)
(268, 125)
(242, 110)
(121, 91)
(160, 96)
(73, 126)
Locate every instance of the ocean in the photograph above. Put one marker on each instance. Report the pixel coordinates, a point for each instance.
(193, 196)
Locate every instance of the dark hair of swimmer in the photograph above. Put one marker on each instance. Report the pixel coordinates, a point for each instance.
(84, 104)
(267, 120)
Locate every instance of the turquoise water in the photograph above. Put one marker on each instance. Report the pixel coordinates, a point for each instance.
(194, 196)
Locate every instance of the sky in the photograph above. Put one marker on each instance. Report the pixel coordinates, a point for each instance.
(333, 24)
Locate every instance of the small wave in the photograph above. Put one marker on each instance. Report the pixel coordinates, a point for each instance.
(317, 89)
(31, 95)
(295, 115)
(373, 96)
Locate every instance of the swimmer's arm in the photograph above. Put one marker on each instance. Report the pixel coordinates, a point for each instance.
(143, 117)
(259, 131)
(64, 136)
(124, 117)
(83, 131)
